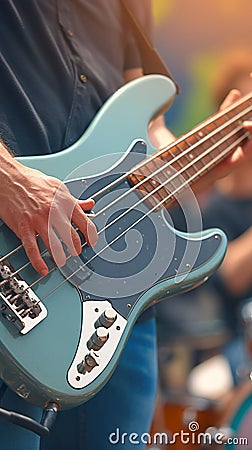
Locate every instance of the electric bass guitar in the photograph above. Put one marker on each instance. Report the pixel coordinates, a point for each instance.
(61, 336)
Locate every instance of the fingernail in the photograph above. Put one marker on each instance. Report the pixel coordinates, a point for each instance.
(44, 272)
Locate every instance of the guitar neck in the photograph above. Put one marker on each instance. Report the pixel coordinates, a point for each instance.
(168, 172)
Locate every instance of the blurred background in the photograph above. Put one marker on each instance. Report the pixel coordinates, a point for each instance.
(192, 37)
(205, 336)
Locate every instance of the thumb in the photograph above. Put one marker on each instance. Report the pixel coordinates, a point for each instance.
(87, 205)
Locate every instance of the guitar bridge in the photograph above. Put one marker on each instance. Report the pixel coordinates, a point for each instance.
(18, 302)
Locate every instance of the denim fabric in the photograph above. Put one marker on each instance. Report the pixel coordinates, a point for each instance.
(13, 437)
(124, 405)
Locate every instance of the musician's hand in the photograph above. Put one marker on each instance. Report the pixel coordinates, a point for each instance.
(241, 152)
(32, 203)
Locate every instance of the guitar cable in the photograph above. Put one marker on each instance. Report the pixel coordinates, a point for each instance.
(42, 428)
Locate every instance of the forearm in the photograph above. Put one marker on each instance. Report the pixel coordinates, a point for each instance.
(10, 172)
(7, 162)
(159, 134)
(236, 269)
(17, 186)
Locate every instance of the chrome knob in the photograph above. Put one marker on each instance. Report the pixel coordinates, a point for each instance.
(98, 339)
(87, 364)
(106, 319)
(5, 271)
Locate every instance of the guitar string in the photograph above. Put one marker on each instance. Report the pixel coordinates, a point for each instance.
(169, 164)
(151, 193)
(156, 206)
(183, 138)
(158, 187)
(160, 152)
(134, 224)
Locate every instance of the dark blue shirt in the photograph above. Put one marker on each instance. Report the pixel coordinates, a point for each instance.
(59, 61)
(234, 217)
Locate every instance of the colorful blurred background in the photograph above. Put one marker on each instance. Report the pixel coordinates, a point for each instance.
(193, 37)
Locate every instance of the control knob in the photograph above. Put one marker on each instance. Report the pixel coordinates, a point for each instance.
(98, 339)
(107, 318)
(87, 364)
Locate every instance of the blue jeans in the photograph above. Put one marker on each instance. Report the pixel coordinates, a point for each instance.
(11, 436)
(123, 407)
(237, 357)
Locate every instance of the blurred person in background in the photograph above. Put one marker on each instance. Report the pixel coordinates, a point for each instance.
(229, 207)
(201, 323)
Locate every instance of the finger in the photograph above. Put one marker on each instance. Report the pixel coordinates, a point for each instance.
(70, 238)
(32, 250)
(247, 124)
(237, 156)
(54, 246)
(233, 95)
(85, 225)
(86, 205)
(74, 247)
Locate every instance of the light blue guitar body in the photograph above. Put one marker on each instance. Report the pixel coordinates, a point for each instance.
(65, 350)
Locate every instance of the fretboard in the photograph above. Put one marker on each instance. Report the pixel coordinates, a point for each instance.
(168, 172)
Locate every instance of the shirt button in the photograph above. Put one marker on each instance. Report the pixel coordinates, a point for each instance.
(83, 78)
(70, 33)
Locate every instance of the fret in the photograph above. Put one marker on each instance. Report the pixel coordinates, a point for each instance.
(177, 162)
(195, 152)
(203, 148)
(174, 175)
(186, 159)
(178, 176)
(175, 159)
(156, 172)
(230, 134)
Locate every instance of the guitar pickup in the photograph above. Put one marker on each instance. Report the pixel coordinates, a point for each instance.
(18, 303)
